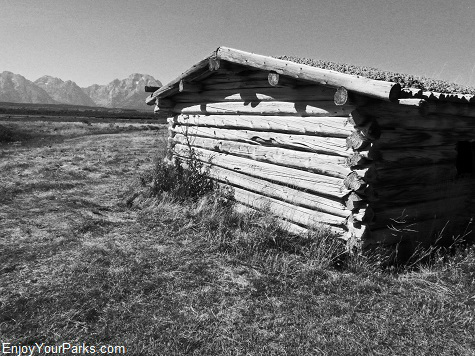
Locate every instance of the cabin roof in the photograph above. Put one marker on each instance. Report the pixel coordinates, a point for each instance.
(406, 80)
(363, 80)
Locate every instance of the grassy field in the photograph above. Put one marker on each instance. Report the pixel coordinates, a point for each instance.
(80, 264)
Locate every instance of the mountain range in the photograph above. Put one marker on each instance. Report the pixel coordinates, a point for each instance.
(128, 93)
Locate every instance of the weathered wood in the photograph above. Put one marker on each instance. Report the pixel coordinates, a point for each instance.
(341, 96)
(185, 86)
(214, 63)
(354, 201)
(354, 182)
(434, 96)
(162, 110)
(165, 103)
(358, 118)
(226, 76)
(311, 182)
(428, 174)
(273, 79)
(389, 115)
(400, 195)
(295, 214)
(318, 144)
(421, 231)
(356, 232)
(399, 138)
(311, 93)
(363, 214)
(444, 208)
(302, 108)
(373, 88)
(370, 130)
(440, 108)
(332, 126)
(193, 72)
(151, 89)
(279, 192)
(318, 163)
(412, 102)
(361, 158)
(409, 157)
(357, 141)
(150, 100)
(249, 84)
(338, 232)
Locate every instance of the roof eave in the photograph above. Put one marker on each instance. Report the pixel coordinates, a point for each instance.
(369, 87)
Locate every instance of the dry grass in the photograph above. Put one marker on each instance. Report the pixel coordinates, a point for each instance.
(195, 278)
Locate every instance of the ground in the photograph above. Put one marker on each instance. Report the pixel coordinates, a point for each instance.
(80, 265)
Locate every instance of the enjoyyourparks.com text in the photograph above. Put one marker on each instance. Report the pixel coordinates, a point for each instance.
(64, 348)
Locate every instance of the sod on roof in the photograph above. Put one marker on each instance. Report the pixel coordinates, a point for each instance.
(406, 80)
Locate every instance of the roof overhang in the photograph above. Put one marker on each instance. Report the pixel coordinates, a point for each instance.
(379, 89)
(358, 84)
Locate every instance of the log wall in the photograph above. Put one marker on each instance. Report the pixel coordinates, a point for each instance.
(372, 170)
(420, 193)
(284, 147)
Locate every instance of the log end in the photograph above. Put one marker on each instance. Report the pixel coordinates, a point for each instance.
(214, 64)
(150, 100)
(273, 78)
(341, 96)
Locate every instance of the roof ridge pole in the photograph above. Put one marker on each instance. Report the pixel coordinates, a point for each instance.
(388, 91)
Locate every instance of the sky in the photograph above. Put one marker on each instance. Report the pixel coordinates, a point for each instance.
(97, 41)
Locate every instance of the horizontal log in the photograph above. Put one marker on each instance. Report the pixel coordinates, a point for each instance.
(373, 88)
(432, 107)
(393, 116)
(303, 108)
(391, 216)
(251, 95)
(318, 163)
(423, 231)
(318, 144)
(419, 196)
(194, 72)
(416, 157)
(399, 138)
(239, 85)
(412, 102)
(279, 192)
(333, 126)
(292, 228)
(295, 214)
(184, 87)
(310, 182)
(404, 176)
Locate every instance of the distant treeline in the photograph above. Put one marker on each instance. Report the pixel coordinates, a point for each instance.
(73, 110)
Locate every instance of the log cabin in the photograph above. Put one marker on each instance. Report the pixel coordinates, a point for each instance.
(375, 161)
